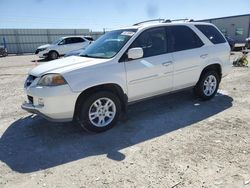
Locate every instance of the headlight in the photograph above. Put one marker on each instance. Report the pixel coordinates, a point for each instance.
(41, 49)
(51, 80)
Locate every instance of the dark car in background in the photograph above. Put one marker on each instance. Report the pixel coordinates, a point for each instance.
(247, 42)
(231, 42)
(3, 51)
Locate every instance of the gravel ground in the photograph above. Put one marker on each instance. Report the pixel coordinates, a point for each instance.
(171, 141)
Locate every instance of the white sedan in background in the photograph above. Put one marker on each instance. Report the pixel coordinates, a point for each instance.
(62, 46)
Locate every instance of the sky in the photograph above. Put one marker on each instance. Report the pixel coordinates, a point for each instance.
(110, 14)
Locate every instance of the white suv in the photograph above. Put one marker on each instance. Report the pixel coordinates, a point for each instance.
(125, 66)
(62, 46)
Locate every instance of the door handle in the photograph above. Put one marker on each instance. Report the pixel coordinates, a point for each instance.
(167, 63)
(203, 56)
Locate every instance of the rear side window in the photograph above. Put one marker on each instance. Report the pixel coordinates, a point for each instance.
(77, 39)
(182, 38)
(211, 33)
(89, 38)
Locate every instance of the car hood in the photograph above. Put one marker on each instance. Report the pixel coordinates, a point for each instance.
(65, 65)
(44, 46)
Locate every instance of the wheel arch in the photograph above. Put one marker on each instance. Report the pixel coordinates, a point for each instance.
(216, 67)
(53, 50)
(111, 87)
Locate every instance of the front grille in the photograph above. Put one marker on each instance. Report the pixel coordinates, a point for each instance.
(30, 99)
(38, 50)
(29, 80)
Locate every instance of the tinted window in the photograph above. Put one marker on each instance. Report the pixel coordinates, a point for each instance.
(62, 42)
(89, 38)
(182, 38)
(211, 33)
(153, 42)
(74, 40)
(68, 41)
(77, 39)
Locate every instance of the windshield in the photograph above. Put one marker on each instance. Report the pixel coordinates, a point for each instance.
(109, 44)
(57, 41)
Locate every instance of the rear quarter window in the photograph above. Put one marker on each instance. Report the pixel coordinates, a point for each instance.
(211, 33)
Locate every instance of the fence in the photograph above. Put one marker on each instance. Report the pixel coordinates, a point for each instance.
(20, 41)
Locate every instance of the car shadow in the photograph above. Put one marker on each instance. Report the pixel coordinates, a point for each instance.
(40, 60)
(32, 143)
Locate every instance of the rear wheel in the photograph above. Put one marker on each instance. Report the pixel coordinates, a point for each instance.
(53, 55)
(208, 85)
(100, 112)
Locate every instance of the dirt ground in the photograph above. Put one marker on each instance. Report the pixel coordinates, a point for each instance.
(172, 141)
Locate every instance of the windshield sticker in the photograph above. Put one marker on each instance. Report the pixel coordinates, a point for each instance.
(128, 33)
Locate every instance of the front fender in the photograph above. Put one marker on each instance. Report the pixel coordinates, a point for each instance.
(107, 73)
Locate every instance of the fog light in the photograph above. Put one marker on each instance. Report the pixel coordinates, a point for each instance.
(40, 102)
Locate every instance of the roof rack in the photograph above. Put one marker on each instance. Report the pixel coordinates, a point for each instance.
(176, 20)
(164, 21)
(154, 20)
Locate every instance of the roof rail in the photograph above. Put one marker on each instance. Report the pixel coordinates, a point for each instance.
(176, 20)
(164, 21)
(154, 20)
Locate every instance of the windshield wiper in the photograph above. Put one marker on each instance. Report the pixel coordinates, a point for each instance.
(85, 55)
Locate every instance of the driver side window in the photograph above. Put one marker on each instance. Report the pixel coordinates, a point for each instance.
(62, 42)
(69, 41)
(152, 41)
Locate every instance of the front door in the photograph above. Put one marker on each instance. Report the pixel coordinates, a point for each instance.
(152, 74)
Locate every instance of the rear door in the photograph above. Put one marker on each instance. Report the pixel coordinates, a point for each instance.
(152, 74)
(74, 43)
(80, 42)
(66, 45)
(188, 55)
(219, 49)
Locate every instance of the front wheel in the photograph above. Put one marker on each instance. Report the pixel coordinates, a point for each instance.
(100, 112)
(53, 55)
(208, 85)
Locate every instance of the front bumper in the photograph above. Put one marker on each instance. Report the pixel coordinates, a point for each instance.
(31, 109)
(58, 103)
(42, 54)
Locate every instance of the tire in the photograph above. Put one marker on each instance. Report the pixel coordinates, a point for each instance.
(207, 86)
(96, 106)
(53, 55)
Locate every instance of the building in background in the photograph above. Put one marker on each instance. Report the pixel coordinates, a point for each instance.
(20, 41)
(236, 27)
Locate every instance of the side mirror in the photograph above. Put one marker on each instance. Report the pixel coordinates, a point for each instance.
(135, 53)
